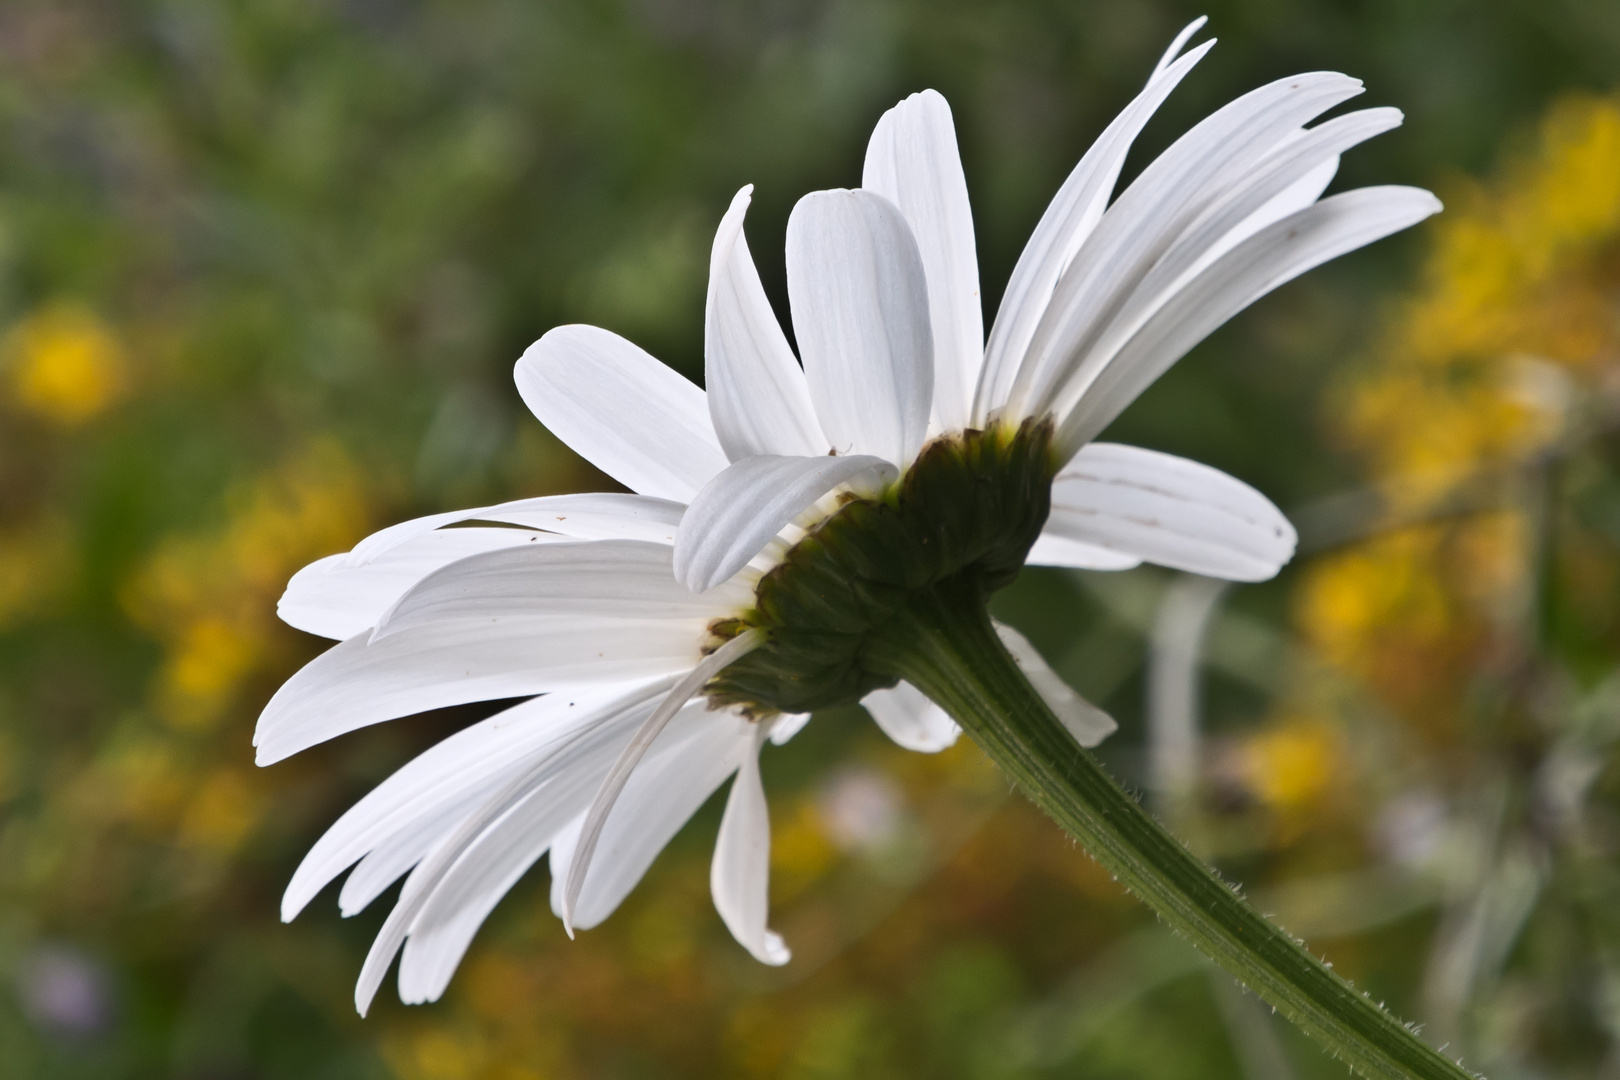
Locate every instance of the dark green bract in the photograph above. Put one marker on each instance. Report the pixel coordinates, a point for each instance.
(963, 517)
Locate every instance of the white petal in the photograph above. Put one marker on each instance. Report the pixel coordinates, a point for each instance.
(595, 516)
(741, 510)
(860, 309)
(786, 726)
(1171, 53)
(357, 682)
(426, 796)
(739, 877)
(542, 796)
(690, 760)
(623, 411)
(907, 716)
(913, 162)
(758, 398)
(1168, 510)
(1275, 255)
(484, 870)
(1066, 224)
(561, 858)
(334, 598)
(618, 777)
(1088, 724)
(1292, 199)
(402, 849)
(1283, 182)
(1160, 205)
(549, 583)
(586, 516)
(1274, 186)
(507, 623)
(1051, 549)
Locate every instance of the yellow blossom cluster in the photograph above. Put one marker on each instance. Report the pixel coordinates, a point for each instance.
(65, 365)
(1504, 359)
(210, 597)
(166, 797)
(1516, 312)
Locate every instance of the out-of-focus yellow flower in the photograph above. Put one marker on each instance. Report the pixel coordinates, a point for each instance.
(1352, 595)
(208, 660)
(1291, 768)
(1513, 335)
(210, 597)
(1516, 272)
(66, 364)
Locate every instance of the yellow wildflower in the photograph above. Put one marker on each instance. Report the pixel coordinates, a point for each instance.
(66, 364)
(1488, 367)
(210, 597)
(1291, 768)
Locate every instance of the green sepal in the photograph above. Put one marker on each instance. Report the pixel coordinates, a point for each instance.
(970, 506)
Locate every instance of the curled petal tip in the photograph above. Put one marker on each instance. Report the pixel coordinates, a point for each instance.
(775, 951)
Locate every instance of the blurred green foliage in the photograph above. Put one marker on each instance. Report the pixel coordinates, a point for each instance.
(264, 266)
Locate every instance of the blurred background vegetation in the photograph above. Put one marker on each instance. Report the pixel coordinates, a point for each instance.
(264, 268)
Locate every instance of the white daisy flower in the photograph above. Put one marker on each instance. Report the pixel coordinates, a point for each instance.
(781, 519)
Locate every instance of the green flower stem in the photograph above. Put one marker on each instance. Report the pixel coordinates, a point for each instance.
(942, 642)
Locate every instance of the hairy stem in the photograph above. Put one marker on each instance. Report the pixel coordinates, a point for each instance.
(942, 642)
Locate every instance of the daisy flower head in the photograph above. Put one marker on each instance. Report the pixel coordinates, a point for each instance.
(810, 530)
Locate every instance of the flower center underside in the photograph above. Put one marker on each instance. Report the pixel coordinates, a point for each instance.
(963, 517)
